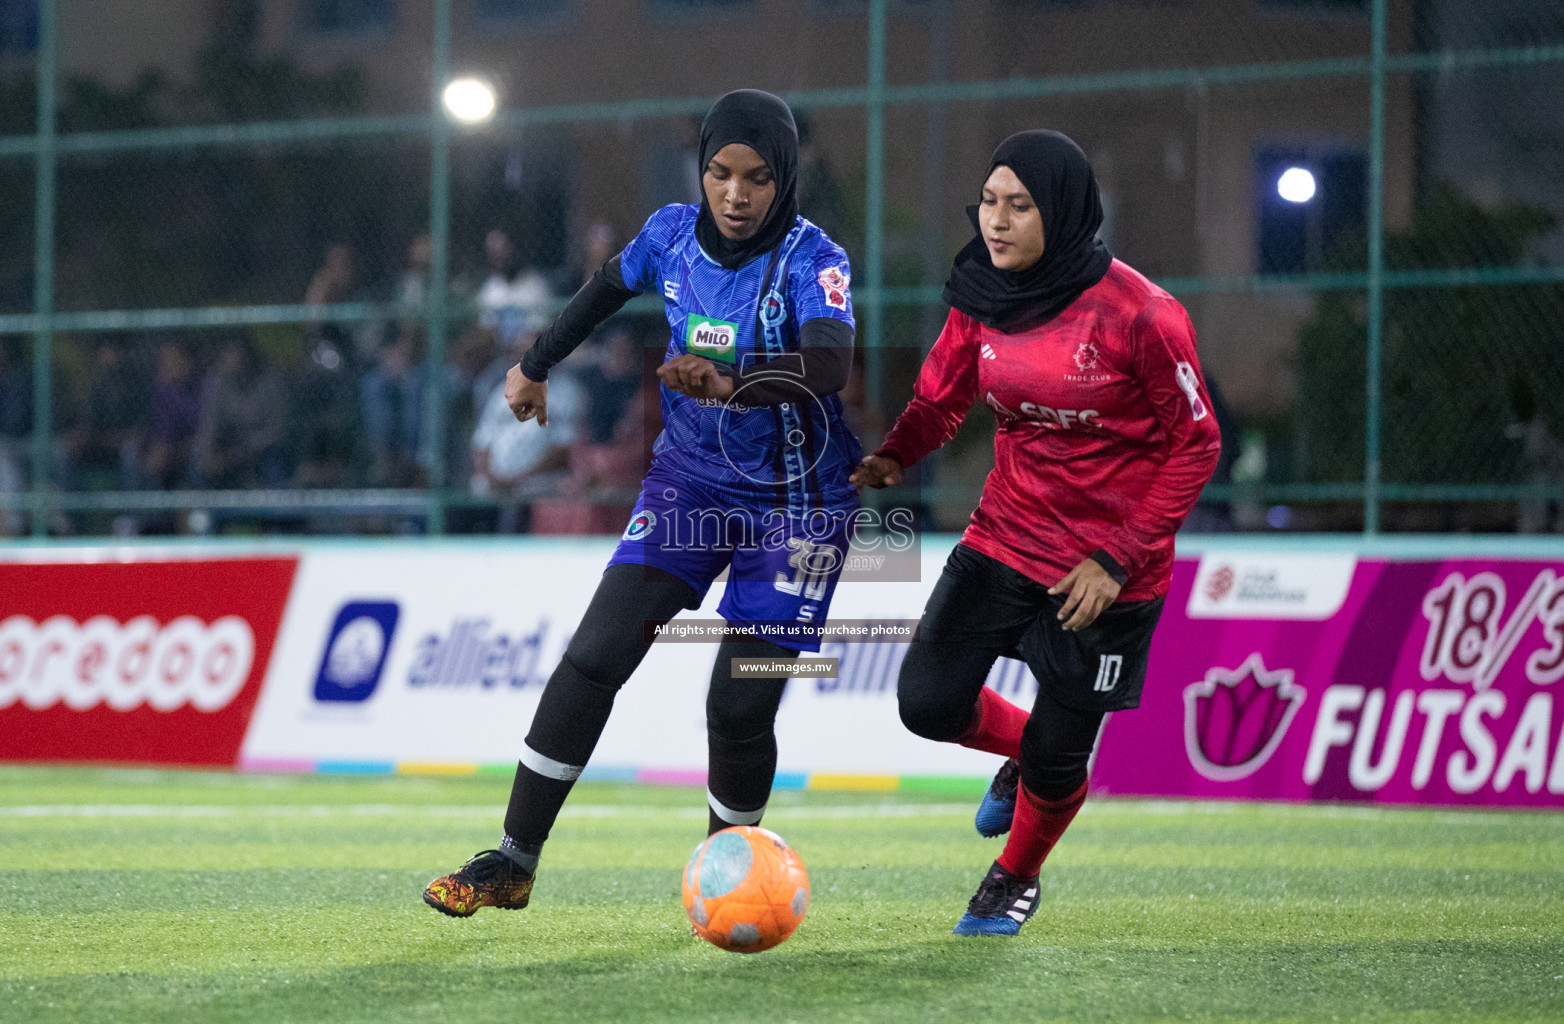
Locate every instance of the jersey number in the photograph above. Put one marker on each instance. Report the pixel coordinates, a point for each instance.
(1189, 383)
(813, 566)
(1108, 667)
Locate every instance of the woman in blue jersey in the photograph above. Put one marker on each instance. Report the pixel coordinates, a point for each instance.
(749, 474)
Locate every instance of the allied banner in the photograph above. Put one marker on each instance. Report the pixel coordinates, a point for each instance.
(1279, 676)
(436, 657)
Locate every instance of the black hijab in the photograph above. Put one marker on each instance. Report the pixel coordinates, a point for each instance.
(1055, 171)
(764, 123)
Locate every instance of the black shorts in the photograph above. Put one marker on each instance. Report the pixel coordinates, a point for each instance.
(980, 602)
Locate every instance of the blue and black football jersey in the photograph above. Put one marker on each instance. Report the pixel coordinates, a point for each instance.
(795, 456)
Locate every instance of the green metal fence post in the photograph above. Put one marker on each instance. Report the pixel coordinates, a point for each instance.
(874, 212)
(1376, 270)
(43, 266)
(439, 266)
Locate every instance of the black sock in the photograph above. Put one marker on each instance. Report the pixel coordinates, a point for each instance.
(569, 720)
(739, 777)
(739, 772)
(606, 648)
(523, 855)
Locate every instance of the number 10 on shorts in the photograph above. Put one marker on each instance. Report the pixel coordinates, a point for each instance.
(1108, 668)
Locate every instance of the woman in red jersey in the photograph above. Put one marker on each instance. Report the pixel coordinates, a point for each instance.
(1105, 440)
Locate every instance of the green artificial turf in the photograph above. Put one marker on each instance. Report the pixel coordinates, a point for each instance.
(132, 896)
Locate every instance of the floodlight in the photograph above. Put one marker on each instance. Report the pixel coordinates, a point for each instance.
(469, 100)
(1296, 185)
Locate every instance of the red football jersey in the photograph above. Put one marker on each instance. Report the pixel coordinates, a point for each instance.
(1106, 435)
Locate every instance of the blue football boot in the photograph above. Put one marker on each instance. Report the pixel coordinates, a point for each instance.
(1001, 905)
(998, 808)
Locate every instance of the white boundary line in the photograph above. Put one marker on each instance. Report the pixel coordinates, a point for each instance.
(436, 811)
(840, 811)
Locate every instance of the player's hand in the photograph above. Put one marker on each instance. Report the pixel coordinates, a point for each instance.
(695, 376)
(876, 471)
(527, 398)
(1090, 590)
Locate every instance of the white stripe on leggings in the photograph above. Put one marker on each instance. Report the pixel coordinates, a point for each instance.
(548, 767)
(731, 816)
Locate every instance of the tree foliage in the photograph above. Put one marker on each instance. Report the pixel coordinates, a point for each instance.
(206, 224)
(1453, 358)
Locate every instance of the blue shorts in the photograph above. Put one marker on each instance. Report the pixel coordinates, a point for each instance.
(784, 567)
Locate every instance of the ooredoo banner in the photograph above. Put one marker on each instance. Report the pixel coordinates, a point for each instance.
(1335, 678)
(139, 660)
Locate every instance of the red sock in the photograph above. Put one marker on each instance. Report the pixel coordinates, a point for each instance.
(997, 729)
(1037, 827)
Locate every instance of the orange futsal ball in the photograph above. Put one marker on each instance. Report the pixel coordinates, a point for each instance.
(745, 889)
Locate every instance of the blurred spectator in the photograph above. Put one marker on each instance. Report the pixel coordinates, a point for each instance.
(595, 248)
(325, 441)
(329, 342)
(16, 424)
(515, 461)
(1542, 459)
(243, 423)
(670, 167)
(618, 463)
(599, 250)
(611, 378)
(393, 409)
(503, 354)
(102, 445)
(327, 434)
(412, 284)
(174, 421)
(513, 308)
(471, 355)
(510, 301)
(499, 257)
(393, 387)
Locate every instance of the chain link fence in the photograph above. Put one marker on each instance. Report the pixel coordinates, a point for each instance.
(256, 280)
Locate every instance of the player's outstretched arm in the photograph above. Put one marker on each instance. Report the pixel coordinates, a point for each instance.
(819, 368)
(695, 376)
(528, 398)
(526, 387)
(946, 387)
(600, 298)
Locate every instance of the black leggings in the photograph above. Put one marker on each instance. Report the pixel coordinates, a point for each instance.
(978, 612)
(608, 645)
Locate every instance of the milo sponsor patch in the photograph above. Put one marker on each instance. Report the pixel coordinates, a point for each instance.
(714, 339)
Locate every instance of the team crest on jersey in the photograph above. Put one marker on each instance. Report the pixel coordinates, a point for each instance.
(640, 525)
(714, 339)
(1086, 356)
(833, 281)
(773, 311)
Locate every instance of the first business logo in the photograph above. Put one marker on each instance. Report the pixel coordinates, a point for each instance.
(356, 651)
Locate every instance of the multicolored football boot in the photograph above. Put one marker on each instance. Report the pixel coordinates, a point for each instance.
(1001, 905)
(998, 808)
(489, 879)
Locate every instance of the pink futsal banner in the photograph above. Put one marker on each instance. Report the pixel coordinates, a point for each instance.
(1330, 677)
